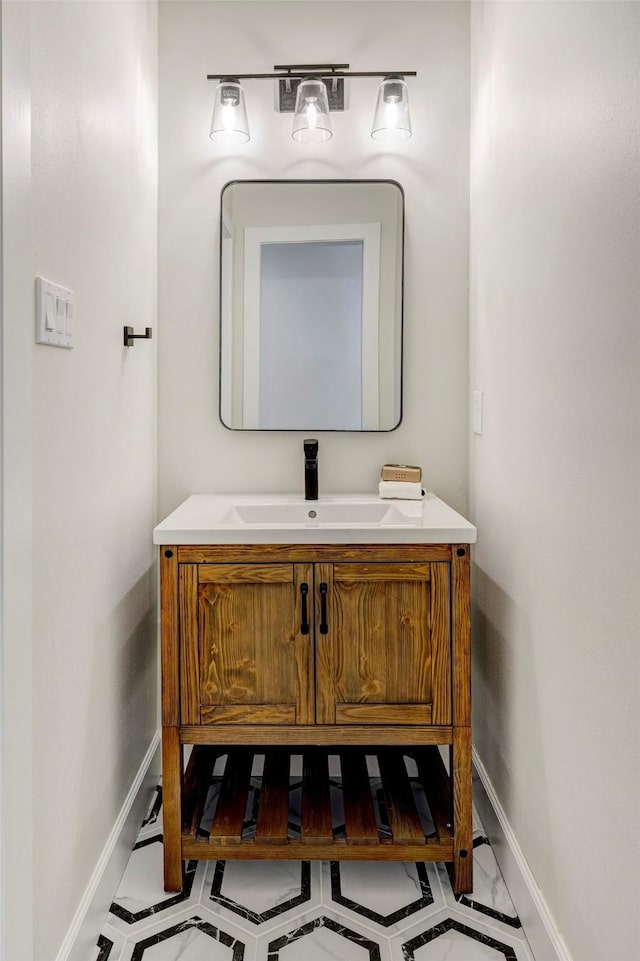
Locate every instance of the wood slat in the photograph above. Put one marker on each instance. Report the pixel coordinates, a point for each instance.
(248, 714)
(169, 643)
(276, 553)
(328, 735)
(435, 784)
(409, 652)
(362, 841)
(197, 779)
(404, 819)
(383, 714)
(440, 618)
(232, 802)
(273, 811)
(246, 573)
(462, 812)
(359, 814)
(189, 646)
(316, 798)
(297, 851)
(171, 806)
(461, 640)
(347, 573)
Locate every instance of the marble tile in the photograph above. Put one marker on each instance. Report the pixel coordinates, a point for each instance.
(190, 940)
(102, 950)
(152, 823)
(490, 895)
(323, 939)
(455, 937)
(141, 892)
(261, 890)
(109, 947)
(386, 892)
(451, 940)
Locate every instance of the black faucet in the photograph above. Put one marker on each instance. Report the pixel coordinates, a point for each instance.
(310, 469)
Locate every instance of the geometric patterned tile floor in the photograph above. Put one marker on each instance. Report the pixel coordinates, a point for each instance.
(308, 910)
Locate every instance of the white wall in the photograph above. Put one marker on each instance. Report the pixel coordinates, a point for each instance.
(196, 453)
(94, 177)
(16, 868)
(555, 302)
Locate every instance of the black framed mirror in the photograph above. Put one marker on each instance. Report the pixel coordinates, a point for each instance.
(311, 284)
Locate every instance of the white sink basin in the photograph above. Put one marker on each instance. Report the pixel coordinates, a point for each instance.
(333, 519)
(317, 513)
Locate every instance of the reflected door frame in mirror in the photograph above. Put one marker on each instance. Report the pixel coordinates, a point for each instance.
(311, 290)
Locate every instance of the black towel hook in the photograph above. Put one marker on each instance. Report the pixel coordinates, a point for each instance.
(129, 336)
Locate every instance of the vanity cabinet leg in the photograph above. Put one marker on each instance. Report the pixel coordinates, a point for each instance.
(462, 870)
(172, 808)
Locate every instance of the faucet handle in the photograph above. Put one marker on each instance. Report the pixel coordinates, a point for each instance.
(310, 446)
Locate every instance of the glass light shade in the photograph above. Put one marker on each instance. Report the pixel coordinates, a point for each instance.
(229, 123)
(311, 121)
(392, 121)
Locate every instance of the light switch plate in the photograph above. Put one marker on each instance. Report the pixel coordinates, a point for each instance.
(54, 313)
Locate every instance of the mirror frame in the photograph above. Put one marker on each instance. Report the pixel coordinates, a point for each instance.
(313, 180)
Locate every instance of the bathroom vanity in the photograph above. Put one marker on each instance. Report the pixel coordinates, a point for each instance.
(326, 630)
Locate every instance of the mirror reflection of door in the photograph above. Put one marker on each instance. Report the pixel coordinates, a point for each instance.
(310, 336)
(311, 305)
(311, 327)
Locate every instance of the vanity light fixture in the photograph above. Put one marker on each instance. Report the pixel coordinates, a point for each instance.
(310, 92)
(311, 121)
(391, 120)
(229, 123)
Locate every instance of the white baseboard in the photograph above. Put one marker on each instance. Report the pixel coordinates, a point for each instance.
(80, 941)
(537, 921)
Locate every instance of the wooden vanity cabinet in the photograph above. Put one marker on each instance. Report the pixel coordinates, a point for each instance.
(317, 650)
(383, 647)
(246, 652)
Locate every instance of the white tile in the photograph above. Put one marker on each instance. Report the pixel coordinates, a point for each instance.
(456, 946)
(383, 888)
(261, 886)
(267, 908)
(324, 944)
(187, 943)
(152, 823)
(112, 949)
(142, 883)
(453, 935)
(478, 827)
(488, 885)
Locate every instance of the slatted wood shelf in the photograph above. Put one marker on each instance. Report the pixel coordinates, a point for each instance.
(363, 803)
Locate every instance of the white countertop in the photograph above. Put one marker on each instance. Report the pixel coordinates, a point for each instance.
(339, 519)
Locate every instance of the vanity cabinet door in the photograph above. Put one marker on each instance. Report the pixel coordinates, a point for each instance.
(383, 643)
(246, 643)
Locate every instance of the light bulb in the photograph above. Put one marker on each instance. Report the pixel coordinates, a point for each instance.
(311, 112)
(311, 121)
(391, 120)
(229, 123)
